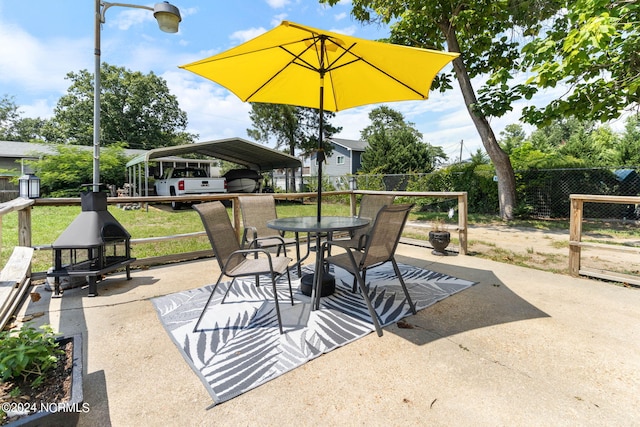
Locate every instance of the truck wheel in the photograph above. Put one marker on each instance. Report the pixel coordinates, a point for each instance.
(174, 205)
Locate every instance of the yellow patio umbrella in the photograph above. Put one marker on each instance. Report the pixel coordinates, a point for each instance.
(298, 65)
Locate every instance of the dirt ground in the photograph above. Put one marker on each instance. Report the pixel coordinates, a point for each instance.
(544, 249)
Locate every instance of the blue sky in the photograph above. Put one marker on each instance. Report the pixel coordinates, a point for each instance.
(41, 41)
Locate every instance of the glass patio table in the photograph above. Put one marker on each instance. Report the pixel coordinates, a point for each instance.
(310, 224)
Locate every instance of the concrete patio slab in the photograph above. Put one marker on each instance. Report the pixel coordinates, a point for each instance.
(523, 347)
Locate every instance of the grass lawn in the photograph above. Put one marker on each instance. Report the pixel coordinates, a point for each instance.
(48, 222)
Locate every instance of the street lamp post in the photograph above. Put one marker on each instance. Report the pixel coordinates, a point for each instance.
(168, 17)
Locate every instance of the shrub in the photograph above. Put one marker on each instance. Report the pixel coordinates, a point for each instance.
(28, 352)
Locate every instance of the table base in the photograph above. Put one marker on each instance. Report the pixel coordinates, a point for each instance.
(328, 285)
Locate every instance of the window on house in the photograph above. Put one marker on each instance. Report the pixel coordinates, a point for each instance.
(340, 160)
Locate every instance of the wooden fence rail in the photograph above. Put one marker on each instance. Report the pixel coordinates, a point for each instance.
(576, 244)
(23, 206)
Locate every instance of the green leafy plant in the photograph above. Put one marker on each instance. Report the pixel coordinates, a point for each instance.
(28, 352)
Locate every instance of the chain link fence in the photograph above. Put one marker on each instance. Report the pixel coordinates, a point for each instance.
(541, 193)
(546, 192)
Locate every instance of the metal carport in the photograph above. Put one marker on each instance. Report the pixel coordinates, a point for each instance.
(237, 150)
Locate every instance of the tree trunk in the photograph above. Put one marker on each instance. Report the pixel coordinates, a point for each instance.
(500, 159)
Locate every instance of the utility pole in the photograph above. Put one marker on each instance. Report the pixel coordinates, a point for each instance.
(461, 144)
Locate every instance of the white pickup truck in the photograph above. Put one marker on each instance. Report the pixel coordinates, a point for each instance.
(185, 181)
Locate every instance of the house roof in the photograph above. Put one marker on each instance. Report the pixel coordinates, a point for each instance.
(236, 150)
(350, 144)
(33, 150)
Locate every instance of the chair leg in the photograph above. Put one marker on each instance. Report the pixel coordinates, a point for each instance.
(367, 300)
(195, 328)
(227, 291)
(364, 279)
(275, 297)
(404, 287)
(256, 257)
(290, 288)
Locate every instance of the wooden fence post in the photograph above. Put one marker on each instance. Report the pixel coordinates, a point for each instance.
(236, 217)
(24, 227)
(575, 233)
(462, 223)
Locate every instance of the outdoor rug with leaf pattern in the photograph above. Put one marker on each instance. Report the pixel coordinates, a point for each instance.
(241, 347)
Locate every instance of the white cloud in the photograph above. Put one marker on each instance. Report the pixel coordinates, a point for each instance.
(352, 121)
(33, 65)
(347, 31)
(41, 108)
(146, 57)
(278, 4)
(248, 34)
(213, 112)
(277, 19)
(127, 18)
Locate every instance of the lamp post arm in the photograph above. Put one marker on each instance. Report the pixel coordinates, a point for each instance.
(107, 5)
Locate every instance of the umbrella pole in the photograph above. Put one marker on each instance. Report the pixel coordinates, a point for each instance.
(320, 155)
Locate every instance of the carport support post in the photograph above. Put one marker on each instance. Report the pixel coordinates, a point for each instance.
(146, 179)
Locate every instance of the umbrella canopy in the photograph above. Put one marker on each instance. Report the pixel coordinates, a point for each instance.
(298, 65)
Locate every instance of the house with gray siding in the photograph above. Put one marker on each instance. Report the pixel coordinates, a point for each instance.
(344, 160)
(13, 154)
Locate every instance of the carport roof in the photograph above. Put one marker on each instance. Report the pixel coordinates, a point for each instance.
(237, 150)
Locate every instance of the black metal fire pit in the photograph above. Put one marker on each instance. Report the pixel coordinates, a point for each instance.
(93, 245)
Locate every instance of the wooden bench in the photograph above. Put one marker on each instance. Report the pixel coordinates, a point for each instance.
(14, 282)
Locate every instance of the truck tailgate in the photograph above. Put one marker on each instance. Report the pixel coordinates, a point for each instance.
(204, 185)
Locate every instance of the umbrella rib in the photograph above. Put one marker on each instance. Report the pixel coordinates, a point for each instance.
(360, 58)
(295, 57)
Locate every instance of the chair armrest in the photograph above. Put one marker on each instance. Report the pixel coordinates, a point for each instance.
(328, 243)
(349, 251)
(258, 239)
(243, 252)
